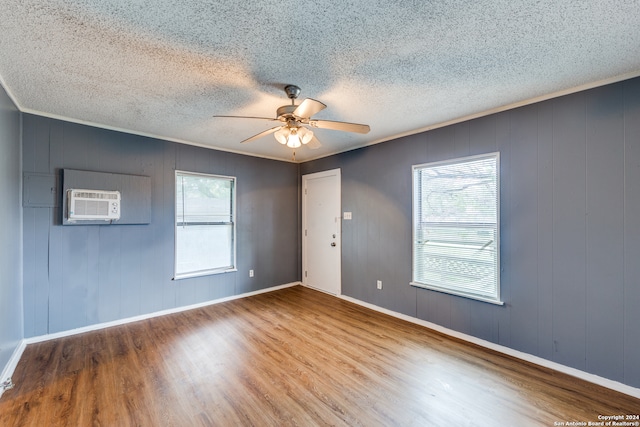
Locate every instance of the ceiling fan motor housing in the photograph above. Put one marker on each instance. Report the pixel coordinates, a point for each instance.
(286, 111)
(292, 91)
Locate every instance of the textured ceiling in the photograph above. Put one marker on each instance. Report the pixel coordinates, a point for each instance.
(164, 67)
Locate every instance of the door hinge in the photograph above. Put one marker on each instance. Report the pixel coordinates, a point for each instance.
(305, 273)
(305, 233)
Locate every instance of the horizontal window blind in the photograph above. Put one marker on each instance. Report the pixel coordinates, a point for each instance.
(205, 224)
(456, 227)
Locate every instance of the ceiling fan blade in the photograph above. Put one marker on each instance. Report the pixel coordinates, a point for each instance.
(308, 108)
(247, 117)
(344, 126)
(261, 134)
(314, 144)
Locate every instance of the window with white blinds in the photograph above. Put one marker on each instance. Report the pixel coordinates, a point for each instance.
(205, 224)
(456, 227)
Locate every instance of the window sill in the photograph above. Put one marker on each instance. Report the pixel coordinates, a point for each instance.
(203, 273)
(459, 294)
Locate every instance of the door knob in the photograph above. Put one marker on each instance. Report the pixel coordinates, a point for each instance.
(333, 243)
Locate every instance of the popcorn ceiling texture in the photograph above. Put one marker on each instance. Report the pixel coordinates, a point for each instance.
(164, 67)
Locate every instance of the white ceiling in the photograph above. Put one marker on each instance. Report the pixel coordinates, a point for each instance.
(164, 67)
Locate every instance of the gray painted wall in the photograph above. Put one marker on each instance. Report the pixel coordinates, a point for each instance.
(570, 228)
(11, 319)
(89, 274)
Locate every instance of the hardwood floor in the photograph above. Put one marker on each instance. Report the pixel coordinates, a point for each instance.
(289, 357)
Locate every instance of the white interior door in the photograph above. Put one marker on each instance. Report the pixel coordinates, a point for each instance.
(321, 231)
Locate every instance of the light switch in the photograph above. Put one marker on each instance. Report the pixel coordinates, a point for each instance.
(346, 215)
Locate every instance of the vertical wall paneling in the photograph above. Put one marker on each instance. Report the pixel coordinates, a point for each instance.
(605, 231)
(246, 206)
(569, 230)
(371, 209)
(73, 304)
(35, 146)
(37, 140)
(151, 164)
(544, 237)
(462, 139)
(40, 282)
(11, 251)
(631, 291)
(54, 146)
(349, 241)
(502, 317)
(483, 135)
(264, 232)
(570, 227)
(164, 227)
(131, 250)
(109, 276)
(54, 270)
(519, 241)
(29, 248)
(89, 274)
(93, 288)
(396, 211)
(353, 231)
(29, 139)
(460, 315)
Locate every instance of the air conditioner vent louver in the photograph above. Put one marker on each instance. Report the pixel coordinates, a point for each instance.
(92, 205)
(97, 195)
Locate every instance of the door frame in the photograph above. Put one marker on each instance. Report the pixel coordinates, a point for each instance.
(338, 190)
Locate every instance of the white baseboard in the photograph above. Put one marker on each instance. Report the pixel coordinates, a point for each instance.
(595, 379)
(124, 321)
(10, 367)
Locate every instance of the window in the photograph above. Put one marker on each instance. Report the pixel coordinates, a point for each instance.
(205, 224)
(456, 227)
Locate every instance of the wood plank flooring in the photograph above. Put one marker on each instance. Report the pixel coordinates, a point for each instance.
(289, 357)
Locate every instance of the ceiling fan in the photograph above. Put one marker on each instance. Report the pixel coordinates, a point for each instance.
(294, 118)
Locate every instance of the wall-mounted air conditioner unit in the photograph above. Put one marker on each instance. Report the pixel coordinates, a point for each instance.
(93, 205)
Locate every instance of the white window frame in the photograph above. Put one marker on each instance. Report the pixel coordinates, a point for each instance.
(232, 222)
(494, 297)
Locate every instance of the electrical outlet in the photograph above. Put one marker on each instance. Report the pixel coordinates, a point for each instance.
(250, 273)
(379, 284)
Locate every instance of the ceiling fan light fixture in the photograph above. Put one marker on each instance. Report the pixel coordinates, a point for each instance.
(293, 141)
(305, 135)
(282, 135)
